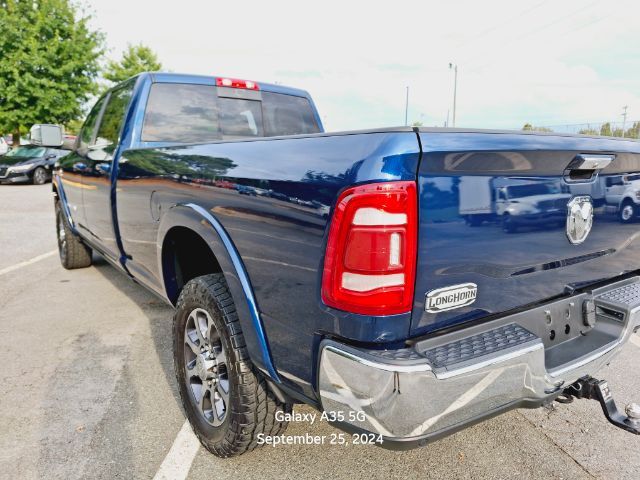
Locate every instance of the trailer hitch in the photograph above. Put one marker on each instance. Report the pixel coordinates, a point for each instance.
(590, 388)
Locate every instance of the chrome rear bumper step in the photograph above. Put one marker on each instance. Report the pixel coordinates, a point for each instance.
(619, 303)
(486, 346)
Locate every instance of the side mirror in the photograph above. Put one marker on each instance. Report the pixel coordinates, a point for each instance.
(45, 135)
(97, 151)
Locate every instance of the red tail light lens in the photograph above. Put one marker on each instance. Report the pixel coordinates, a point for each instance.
(369, 266)
(235, 83)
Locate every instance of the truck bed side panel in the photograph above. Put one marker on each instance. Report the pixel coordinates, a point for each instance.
(273, 198)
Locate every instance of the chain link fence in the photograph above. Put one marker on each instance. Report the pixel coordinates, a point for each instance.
(629, 129)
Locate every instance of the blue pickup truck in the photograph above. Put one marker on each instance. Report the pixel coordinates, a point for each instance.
(336, 269)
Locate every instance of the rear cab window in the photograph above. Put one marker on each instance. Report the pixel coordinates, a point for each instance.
(194, 113)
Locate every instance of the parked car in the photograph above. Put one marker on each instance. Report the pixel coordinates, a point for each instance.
(4, 147)
(224, 184)
(246, 190)
(391, 316)
(29, 163)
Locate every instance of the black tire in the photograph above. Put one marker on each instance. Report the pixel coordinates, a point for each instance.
(39, 176)
(508, 225)
(474, 220)
(251, 405)
(73, 252)
(628, 212)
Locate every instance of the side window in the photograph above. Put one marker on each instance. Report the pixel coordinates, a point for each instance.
(613, 181)
(112, 119)
(89, 127)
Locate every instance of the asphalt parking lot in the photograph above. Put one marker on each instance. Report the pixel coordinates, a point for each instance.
(87, 391)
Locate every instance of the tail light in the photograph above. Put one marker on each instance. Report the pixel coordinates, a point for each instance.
(235, 83)
(370, 262)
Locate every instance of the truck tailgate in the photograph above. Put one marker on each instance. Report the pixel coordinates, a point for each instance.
(517, 252)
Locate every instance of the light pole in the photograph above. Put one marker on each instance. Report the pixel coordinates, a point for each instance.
(406, 108)
(455, 89)
(624, 119)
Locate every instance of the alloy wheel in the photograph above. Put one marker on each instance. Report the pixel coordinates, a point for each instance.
(39, 176)
(205, 363)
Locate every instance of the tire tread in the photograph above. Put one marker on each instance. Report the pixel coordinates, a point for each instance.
(255, 410)
(77, 255)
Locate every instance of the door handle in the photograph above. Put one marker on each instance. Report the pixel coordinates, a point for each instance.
(585, 166)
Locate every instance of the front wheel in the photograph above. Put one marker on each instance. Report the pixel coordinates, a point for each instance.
(508, 225)
(628, 212)
(39, 176)
(226, 400)
(73, 252)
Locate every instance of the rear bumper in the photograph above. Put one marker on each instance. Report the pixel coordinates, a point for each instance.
(441, 385)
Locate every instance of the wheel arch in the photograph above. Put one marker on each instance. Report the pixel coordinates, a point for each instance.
(625, 200)
(59, 195)
(201, 228)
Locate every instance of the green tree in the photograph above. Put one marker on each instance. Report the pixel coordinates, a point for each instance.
(136, 59)
(634, 131)
(589, 131)
(48, 63)
(73, 126)
(530, 128)
(605, 130)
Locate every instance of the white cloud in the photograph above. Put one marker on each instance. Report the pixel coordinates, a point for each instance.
(546, 62)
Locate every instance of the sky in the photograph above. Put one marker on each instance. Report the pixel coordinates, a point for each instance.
(545, 62)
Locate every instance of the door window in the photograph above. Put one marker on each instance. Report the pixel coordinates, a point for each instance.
(89, 128)
(108, 135)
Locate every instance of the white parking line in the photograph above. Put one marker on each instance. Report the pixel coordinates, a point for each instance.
(635, 339)
(28, 262)
(177, 463)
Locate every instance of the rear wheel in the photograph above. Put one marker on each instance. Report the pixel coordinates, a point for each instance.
(73, 252)
(628, 212)
(474, 220)
(226, 400)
